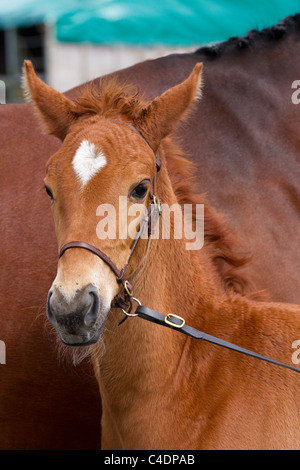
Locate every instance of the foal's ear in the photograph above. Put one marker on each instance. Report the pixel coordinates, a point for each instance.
(161, 116)
(56, 112)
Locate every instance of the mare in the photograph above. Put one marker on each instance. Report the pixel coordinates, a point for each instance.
(159, 390)
(244, 140)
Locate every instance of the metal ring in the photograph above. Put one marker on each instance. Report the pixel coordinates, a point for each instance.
(132, 314)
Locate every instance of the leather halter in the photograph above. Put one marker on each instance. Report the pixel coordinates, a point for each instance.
(170, 320)
(125, 301)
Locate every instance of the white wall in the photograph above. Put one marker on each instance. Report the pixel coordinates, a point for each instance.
(68, 65)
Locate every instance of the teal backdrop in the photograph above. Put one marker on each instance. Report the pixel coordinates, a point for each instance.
(149, 22)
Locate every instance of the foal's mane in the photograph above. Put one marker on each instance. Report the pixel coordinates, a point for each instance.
(254, 37)
(111, 99)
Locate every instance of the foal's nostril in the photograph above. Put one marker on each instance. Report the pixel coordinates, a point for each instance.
(92, 313)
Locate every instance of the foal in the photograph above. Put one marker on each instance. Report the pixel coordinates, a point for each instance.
(159, 389)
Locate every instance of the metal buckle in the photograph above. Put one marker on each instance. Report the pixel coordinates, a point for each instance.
(127, 290)
(171, 323)
(157, 204)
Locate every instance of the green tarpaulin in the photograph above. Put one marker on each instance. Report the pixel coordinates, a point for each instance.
(149, 22)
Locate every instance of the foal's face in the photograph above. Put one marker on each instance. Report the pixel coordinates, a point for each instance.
(99, 162)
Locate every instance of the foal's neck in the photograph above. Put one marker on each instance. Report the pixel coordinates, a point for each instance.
(145, 367)
(169, 279)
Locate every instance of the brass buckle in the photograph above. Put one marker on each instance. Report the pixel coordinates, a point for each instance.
(127, 290)
(171, 323)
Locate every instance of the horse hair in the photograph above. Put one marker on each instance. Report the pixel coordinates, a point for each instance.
(288, 25)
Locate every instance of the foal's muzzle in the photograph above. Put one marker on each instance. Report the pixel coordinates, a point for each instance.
(77, 321)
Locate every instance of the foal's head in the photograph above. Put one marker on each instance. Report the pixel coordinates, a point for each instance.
(101, 159)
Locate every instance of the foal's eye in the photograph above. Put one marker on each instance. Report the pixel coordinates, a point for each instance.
(49, 192)
(140, 191)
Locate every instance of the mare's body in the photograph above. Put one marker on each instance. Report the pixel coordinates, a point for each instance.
(42, 397)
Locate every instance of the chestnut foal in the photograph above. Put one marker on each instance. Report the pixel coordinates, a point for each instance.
(159, 389)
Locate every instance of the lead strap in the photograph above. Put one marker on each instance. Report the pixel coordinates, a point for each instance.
(178, 323)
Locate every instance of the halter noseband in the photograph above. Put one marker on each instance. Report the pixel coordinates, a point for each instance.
(125, 301)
